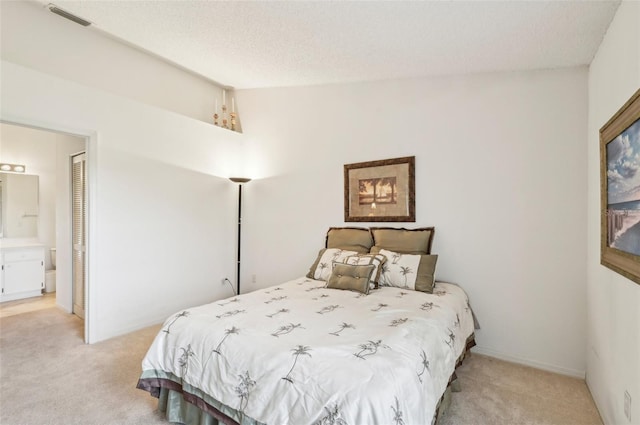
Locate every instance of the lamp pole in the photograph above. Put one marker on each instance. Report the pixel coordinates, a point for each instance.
(240, 181)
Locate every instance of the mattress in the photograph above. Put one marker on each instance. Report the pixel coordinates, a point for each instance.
(301, 353)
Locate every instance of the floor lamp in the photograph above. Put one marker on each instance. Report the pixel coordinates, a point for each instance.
(240, 181)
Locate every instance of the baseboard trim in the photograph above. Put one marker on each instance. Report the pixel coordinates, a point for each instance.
(527, 362)
(158, 320)
(595, 401)
(64, 308)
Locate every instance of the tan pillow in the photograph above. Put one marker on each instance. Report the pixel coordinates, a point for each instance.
(349, 238)
(424, 279)
(351, 277)
(404, 241)
(426, 273)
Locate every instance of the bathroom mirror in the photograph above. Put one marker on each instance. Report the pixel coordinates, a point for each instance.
(19, 207)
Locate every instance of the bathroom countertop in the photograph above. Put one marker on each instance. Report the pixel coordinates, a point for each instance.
(20, 243)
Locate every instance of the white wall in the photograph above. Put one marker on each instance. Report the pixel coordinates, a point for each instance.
(162, 208)
(500, 173)
(613, 353)
(34, 37)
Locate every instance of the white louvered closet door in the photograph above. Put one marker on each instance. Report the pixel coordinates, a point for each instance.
(79, 208)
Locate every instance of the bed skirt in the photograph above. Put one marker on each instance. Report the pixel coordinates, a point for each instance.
(177, 410)
(185, 408)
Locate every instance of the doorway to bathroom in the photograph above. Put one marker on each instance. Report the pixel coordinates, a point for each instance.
(50, 154)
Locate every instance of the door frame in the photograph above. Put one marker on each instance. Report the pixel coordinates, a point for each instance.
(91, 151)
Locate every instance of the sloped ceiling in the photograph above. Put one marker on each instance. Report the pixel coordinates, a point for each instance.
(274, 44)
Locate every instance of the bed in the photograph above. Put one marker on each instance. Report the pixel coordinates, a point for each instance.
(312, 351)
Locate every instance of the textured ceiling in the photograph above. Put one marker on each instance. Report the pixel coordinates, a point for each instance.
(269, 44)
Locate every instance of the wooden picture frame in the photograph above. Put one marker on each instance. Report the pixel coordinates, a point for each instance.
(620, 191)
(380, 190)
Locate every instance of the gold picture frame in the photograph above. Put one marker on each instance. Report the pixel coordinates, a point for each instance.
(380, 190)
(620, 191)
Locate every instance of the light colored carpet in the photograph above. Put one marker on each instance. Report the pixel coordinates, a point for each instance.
(11, 308)
(498, 392)
(49, 376)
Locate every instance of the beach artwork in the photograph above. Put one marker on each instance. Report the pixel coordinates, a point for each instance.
(377, 191)
(381, 190)
(623, 190)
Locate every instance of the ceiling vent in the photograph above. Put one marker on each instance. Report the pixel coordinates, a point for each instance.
(78, 20)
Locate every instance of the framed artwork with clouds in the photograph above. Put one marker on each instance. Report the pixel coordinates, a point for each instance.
(620, 191)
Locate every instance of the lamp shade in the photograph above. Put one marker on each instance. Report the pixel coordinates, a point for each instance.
(239, 179)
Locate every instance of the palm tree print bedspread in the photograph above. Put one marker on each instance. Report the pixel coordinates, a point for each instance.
(322, 356)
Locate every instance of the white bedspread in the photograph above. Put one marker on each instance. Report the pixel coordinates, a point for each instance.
(299, 353)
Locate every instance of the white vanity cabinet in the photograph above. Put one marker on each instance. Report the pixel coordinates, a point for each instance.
(23, 272)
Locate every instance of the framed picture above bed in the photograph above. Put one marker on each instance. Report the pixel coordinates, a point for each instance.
(620, 191)
(380, 190)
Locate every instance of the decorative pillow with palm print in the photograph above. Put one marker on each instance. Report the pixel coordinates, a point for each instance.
(425, 278)
(377, 260)
(321, 268)
(400, 270)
